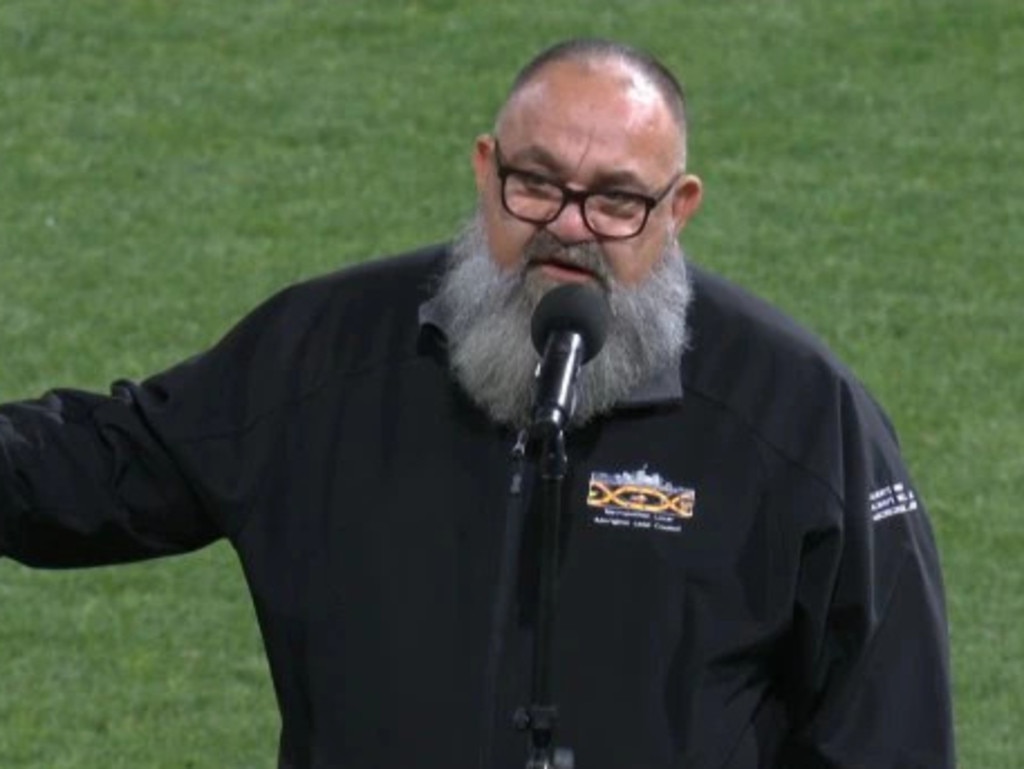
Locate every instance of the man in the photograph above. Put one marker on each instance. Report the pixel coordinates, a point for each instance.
(746, 578)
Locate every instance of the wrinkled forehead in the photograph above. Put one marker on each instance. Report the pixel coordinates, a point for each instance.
(605, 111)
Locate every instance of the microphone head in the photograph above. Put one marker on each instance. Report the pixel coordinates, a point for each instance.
(572, 307)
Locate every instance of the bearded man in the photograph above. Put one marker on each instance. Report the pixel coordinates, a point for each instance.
(747, 577)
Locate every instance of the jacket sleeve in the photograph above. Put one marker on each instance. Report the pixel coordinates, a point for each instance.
(86, 480)
(170, 464)
(871, 662)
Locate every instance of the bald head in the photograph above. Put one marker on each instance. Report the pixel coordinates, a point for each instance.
(635, 71)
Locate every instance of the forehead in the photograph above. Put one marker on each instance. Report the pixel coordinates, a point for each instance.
(593, 117)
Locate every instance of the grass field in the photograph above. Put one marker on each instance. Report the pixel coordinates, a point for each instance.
(165, 165)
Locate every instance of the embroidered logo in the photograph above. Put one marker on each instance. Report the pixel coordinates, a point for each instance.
(639, 500)
(888, 501)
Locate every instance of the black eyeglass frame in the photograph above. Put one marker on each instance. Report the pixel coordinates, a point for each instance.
(579, 197)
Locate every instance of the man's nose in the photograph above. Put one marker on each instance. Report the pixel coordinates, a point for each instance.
(570, 226)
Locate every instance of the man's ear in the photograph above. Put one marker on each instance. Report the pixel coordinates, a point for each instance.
(686, 200)
(483, 162)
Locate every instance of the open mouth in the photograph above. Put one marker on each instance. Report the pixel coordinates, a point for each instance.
(564, 271)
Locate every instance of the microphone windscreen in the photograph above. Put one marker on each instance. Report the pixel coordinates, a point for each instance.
(572, 307)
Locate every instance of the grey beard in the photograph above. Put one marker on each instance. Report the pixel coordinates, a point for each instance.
(487, 311)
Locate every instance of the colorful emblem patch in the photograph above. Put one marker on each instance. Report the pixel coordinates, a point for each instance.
(639, 500)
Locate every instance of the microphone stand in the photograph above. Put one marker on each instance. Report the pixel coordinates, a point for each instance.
(541, 716)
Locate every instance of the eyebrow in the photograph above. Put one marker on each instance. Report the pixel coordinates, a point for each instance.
(605, 180)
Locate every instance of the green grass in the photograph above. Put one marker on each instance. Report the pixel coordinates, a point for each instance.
(164, 166)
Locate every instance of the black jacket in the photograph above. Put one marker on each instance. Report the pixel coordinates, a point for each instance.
(748, 578)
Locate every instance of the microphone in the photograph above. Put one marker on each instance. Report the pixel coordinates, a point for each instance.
(568, 328)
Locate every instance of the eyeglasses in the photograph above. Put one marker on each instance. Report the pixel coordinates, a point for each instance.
(609, 214)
